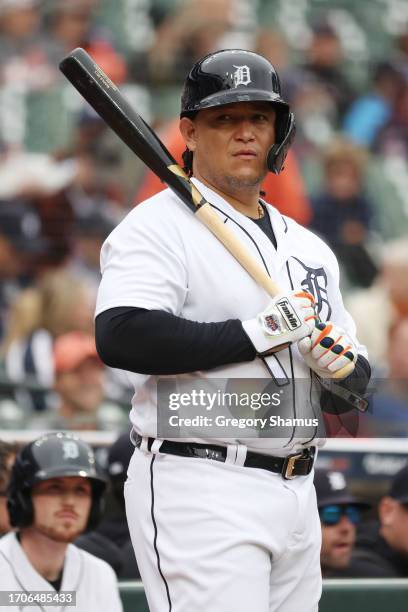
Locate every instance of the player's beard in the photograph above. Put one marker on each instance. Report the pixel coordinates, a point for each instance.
(238, 184)
(230, 183)
(60, 534)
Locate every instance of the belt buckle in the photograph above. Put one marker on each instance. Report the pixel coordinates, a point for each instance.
(289, 465)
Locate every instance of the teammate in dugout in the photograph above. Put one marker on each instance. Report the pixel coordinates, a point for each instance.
(55, 494)
(224, 524)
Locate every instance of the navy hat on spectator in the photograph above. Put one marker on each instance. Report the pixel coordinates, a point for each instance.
(399, 486)
(21, 225)
(331, 488)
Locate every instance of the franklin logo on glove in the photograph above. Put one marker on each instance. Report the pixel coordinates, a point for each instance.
(289, 315)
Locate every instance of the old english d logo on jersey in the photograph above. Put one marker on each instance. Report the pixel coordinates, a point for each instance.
(241, 76)
(289, 315)
(313, 280)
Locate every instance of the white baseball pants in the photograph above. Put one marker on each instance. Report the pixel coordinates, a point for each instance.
(222, 537)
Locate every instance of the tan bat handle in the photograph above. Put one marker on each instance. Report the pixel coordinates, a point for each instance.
(214, 223)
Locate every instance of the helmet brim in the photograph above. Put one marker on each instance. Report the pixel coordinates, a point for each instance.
(233, 96)
(60, 472)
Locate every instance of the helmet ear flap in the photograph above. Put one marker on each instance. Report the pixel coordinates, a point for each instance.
(278, 152)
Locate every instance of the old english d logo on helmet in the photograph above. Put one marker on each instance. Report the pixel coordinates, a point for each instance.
(242, 76)
(235, 75)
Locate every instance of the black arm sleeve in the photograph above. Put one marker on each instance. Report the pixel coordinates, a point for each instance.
(157, 342)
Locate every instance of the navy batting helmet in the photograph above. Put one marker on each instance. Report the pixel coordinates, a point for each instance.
(53, 455)
(234, 75)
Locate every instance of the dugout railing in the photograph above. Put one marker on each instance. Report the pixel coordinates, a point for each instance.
(351, 595)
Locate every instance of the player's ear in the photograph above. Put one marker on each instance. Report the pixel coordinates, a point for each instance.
(189, 132)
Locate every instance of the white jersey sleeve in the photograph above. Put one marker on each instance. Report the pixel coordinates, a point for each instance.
(142, 261)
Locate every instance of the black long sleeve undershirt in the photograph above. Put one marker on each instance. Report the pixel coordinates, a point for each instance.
(157, 342)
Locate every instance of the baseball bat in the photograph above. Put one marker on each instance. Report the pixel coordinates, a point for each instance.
(106, 99)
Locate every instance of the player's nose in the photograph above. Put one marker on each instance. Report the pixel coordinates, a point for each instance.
(245, 131)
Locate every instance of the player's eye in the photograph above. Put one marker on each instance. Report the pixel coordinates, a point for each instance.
(82, 490)
(224, 118)
(260, 117)
(53, 488)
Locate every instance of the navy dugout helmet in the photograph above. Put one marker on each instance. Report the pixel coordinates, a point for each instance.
(53, 455)
(235, 75)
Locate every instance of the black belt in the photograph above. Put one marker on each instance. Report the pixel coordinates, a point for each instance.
(297, 464)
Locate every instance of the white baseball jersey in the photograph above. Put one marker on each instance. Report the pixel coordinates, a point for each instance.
(93, 580)
(160, 257)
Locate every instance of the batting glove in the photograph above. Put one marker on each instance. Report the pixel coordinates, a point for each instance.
(329, 351)
(288, 318)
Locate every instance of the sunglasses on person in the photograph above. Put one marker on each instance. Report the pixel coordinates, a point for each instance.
(331, 515)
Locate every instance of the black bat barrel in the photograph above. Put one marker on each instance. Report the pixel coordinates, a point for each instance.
(107, 100)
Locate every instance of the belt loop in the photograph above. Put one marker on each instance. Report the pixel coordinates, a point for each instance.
(241, 454)
(231, 453)
(143, 445)
(155, 446)
(132, 436)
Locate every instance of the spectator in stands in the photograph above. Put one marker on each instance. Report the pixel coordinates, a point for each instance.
(8, 452)
(113, 527)
(392, 140)
(369, 113)
(340, 512)
(385, 300)
(89, 235)
(325, 63)
(382, 547)
(20, 238)
(319, 92)
(23, 61)
(58, 304)
(187, 31)
(71, 23)
(342, 212)
(388, 414)
(79, 386)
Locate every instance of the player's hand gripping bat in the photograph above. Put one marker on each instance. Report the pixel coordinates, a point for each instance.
(106, 99)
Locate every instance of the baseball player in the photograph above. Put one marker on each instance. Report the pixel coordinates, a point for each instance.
(220, 522)
(54, 494)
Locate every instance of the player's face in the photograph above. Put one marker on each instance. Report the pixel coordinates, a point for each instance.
(61, 507)
(230, 144)
(337, 543)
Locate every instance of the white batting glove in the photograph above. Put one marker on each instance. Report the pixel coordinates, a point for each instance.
(329, 351)
(288, 318)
